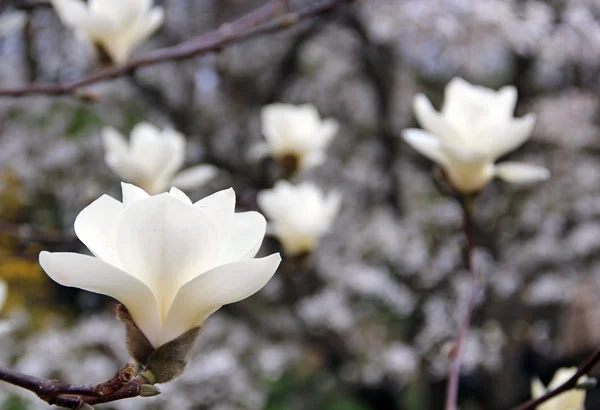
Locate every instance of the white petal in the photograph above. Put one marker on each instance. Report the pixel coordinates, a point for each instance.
(96, 226)
(116, 152)
(180, 195)
(521, 173)
(537, 388)
(148, 25)
(70, 12)
(313, 159)
(432, 121)
(220, 208)
(3, 292)
(94, 275)
(165, 243)
(329, 128)
(426, 144)
(501, 139)
(131, 194)
(246, 237)
(225, 284)
(195, 176)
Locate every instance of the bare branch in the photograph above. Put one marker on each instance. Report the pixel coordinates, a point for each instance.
(246, 27)
(124, 384)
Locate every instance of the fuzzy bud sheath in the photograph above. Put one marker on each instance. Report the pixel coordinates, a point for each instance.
(165, 362)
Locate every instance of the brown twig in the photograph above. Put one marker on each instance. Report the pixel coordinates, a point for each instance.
(246, 27)
(583, 370)
(454, 373)
(124, 384)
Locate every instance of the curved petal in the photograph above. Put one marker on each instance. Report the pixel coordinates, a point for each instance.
(148, 25)
(116, 152)
(220, 208)
(518, 172)
(94, 275)
(132, 193)
(426, 144)
(96, 226)
(500, 139)
(195, 176)
(432, 121)
(164, 242)
(180, 195)
(225, 284)
(312, 159)
(246, 237)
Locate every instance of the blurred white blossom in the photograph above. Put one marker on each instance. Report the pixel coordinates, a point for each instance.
(474, 128)
(152, 158)
(117, 26)
(570, 400)
(298, 132)
(170, 262)
(300, 215)
(5, 326)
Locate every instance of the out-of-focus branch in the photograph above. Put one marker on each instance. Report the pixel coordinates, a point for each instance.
(124, 384)
(583, 370)
(456, 354)
(251, 25)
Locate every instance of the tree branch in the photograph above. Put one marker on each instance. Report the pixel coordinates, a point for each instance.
(246, 27)
(124, 384)
(466, 203)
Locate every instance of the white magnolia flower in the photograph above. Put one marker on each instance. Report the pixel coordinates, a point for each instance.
(170, 262)
(570, 400)
(297, 131)
(118, 26)
(5, 325)
(300, 215)
(152, 159)
(474, 128)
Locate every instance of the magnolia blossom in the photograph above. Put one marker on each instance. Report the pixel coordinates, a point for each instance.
(115, 25)
(474, 128)
(300, 215)
(570, 400)
(5, 325)
(152, 159)
(297, 132)
(170, 262)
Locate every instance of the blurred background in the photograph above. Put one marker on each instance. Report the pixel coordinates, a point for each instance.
(364, 322)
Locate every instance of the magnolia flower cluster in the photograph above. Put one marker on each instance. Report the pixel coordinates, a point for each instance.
(152, 158)
(117, 26)
(297, 138)
(570, 400)
(169, 261)
(474, 128)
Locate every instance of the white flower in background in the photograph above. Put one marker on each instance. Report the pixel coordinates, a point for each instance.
(298, 132)
(474, 128)
(299, 215)
(117, 26)
(570, 400)
(170, 262)
(152, 158)
(5, 325)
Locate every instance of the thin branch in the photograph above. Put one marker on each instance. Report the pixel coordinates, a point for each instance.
(124, 384)
(454, 373)
(246, 27)
(583, 370)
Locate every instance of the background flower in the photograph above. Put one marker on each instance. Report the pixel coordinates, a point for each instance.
(300, 215)
(115, 25)
(570, 400)
(152, 158)
(474, 128)
(297, 132)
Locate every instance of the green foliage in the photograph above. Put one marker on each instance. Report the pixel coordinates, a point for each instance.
(83, 120)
